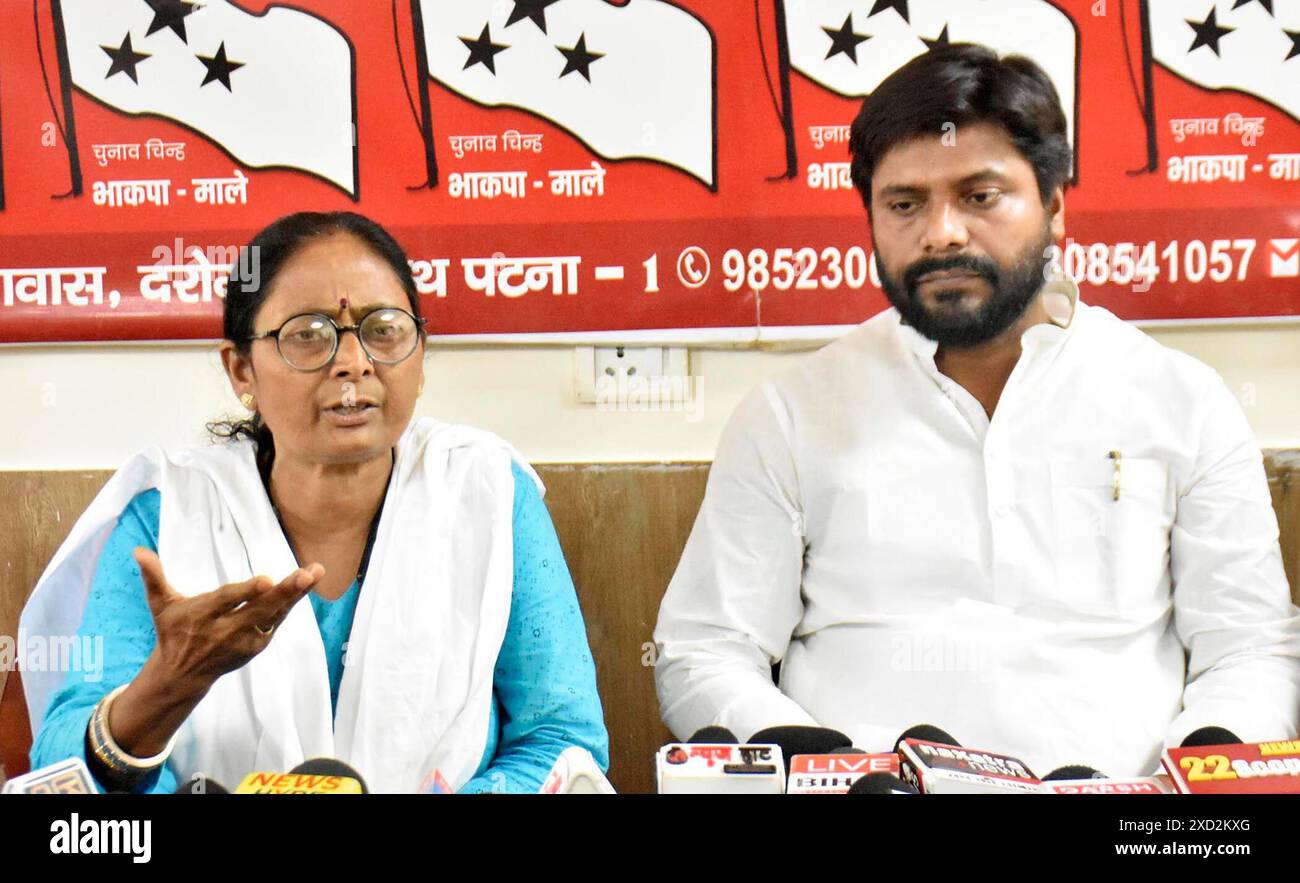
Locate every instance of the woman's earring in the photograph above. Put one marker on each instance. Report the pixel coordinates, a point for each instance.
(248, 401)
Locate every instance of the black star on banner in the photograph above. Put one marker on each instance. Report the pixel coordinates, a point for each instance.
(125, 58)
(939, 42)
(170, 14)
(1295, 44)
(219, 68)
(534, 10)
(1267, 4)
(899, 6)
(844, 41)
(1208, 32)
(483, 51)
(579, 59)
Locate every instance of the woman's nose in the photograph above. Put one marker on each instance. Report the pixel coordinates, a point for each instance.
(351, 357)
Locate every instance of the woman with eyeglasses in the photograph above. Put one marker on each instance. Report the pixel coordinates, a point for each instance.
(335, 579)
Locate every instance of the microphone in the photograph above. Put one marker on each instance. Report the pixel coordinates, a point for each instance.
(1135, 785)
(1082, 779)
(201, 783)
(939, 765)
(575, 771)
(1210, 736)
(1073, 771)
(881, 783)
(719, 768)
(715, 735)
(798, 739)
(928, 733)
(65, 777)
(1233, 767)
(837, 772)
(320, 775)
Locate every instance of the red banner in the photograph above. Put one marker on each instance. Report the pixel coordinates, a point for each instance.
(579, 166)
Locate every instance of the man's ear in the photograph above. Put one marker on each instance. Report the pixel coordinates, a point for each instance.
(1056, 211)
(239, 369)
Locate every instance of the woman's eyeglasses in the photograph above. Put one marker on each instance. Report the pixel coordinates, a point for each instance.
(311, 341)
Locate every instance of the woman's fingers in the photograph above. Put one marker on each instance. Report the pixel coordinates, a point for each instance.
(231, 596)
(158, 592)
(274, 604)
(304, 578)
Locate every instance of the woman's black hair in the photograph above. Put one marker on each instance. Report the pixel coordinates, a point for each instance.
(960, 84)
(251, 278)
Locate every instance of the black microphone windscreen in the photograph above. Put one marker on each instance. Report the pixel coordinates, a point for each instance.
(802, 740)
(927, 733)
(881, 783)
(200, 783)
(328, 766)
(714, 736)
(1073, 771)
(1210, 736)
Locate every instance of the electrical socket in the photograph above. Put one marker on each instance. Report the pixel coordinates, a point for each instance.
(613, 374)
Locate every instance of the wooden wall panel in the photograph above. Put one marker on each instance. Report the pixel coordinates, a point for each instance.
(623, 528)
(37, 511)
(15, 728)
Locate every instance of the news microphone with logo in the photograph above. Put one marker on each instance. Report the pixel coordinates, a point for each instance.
(1134, 785)
(1082, 779)
(320, 775)
(881, 783)
(939, 765)
(719, 768)
(1234, 767)
(838, 772)
(575, 771)
(65, 777)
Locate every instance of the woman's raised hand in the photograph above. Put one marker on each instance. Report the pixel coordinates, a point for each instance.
(200, 638)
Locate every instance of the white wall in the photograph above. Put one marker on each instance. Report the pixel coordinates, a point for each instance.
(83, 407)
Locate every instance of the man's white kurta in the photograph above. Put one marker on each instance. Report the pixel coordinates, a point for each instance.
(908, 560)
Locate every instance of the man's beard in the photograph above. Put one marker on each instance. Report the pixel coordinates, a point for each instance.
(1012, 291)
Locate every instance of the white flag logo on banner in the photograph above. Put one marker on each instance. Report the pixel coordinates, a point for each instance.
(1252, 46)
(850, 46)
(275, 90)
(631, 82)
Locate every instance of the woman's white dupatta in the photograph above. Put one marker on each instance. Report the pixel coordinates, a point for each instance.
(417, 683)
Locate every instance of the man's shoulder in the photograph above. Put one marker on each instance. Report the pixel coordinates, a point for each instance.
(1132, 351)
(875, 342)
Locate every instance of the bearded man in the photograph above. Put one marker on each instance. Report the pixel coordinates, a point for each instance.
(991, 508)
